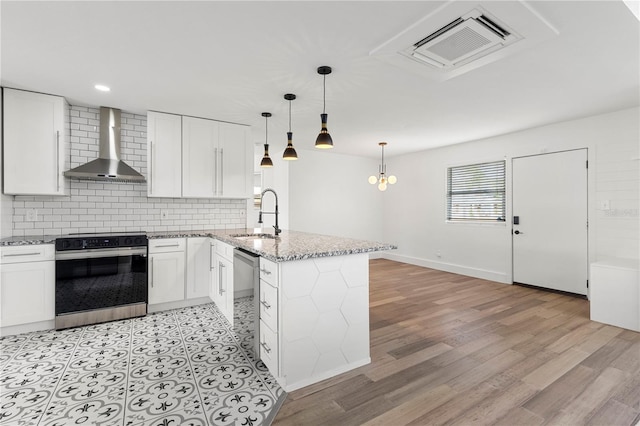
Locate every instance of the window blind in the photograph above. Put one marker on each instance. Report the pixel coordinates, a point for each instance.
(476, 192)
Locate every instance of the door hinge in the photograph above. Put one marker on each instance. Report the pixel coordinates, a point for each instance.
(587, 164)
(587, 283)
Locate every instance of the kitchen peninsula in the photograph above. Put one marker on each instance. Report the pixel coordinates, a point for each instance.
(314, 301)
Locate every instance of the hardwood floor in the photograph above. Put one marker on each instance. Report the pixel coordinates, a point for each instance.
(450, 349)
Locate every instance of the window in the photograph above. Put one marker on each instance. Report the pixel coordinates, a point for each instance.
(476, 192)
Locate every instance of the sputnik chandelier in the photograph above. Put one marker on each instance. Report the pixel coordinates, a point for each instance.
(382, 180)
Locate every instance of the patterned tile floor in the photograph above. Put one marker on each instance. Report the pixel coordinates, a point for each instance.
(181, 367)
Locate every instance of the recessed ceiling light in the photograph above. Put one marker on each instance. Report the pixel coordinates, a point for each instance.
(102, 88)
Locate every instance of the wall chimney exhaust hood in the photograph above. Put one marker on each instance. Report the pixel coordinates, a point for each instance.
(108, 166)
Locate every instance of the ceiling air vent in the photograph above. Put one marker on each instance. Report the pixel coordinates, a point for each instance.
(461, 41)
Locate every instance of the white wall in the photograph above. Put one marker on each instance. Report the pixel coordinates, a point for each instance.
(329, 194)
(414, 213)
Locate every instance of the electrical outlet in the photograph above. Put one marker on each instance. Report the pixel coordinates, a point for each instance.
(242, 213)
(32, 215)
(164, 214)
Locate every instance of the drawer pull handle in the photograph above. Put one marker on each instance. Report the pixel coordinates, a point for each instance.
(35, 253)
(265, 347)
(168, 245)
(266, 271)
(265, 304)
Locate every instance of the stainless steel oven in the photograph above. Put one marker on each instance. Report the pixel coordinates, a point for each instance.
(100, 278)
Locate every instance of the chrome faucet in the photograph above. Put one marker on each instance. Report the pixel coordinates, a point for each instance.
(277, 230)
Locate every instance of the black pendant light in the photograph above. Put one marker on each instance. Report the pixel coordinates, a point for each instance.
(324, 141)
(266, 160)
(290, 152)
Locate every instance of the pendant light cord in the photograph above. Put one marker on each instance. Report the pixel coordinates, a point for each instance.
(266, 132)
(324, 93)
(289, 115)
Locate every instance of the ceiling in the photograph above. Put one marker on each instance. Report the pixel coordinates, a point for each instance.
(233, 60)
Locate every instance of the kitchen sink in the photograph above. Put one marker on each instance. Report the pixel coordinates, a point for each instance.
(248, 237)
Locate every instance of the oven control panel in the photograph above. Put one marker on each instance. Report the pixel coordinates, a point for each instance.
(100, 242)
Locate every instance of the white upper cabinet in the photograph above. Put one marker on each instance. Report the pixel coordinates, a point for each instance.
(190, 157)
(164, 155)
(35, 143)
(200, 155)
(236, 155)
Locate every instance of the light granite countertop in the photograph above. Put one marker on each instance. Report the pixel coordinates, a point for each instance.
(288, 246)
(25, 241)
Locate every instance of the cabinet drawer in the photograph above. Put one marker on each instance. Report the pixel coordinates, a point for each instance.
(269, 348)
(28, 253)
(165, 245)
(269, 271)
(269, 305)
(225, 250)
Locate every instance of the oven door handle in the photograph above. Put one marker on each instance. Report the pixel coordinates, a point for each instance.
(92, 254)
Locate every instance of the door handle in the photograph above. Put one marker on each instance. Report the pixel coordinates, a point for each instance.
(518, 232)
(58, 158)
(151, 162)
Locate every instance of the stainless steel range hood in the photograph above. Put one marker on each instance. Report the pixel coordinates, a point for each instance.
(108, 166)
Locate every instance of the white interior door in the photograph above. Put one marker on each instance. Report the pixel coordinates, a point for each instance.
(550, 205)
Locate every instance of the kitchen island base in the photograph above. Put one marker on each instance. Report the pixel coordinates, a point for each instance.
(323, 317)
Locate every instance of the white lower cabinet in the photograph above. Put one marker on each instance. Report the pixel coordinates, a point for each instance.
(198, 267)
(269, 352)
(269, 309)
(27, 285)
(166, 270)
(269, 305)
(223, 281)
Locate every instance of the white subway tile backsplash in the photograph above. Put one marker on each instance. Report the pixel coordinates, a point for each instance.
(117, 207)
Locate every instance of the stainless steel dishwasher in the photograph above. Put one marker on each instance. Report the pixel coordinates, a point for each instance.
(246, 275)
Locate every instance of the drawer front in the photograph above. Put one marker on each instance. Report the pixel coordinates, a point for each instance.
(269, 271)
(269, 305)
(27, 253)
(225, 250)
(269, 348)
(165, 245)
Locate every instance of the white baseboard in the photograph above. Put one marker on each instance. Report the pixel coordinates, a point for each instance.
(484, 274)
(27, 328)
(158, 307)
(290, 387)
